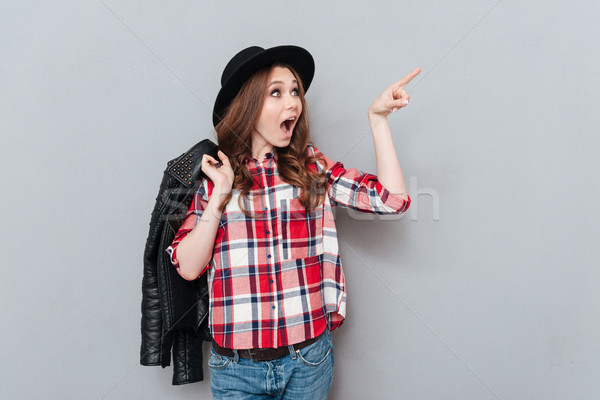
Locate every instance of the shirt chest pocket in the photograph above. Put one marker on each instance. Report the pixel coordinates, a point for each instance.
(301, 232)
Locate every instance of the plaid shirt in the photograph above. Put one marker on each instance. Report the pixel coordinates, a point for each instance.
(277, 279)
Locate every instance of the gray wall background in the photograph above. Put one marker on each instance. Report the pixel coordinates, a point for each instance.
(486, 289)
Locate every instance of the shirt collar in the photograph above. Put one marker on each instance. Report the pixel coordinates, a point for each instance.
(268, 155)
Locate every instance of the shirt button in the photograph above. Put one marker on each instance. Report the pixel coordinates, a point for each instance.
(271, 280)
(273, 307)
(268, 255)
(268, 232)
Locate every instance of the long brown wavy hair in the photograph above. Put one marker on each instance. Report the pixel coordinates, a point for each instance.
(234, 136)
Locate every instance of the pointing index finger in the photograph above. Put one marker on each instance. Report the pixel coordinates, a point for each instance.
(404, 81)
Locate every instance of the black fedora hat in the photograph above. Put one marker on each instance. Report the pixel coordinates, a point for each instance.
(251, 59)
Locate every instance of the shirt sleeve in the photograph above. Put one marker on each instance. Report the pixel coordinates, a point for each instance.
(197, 207)
(357, 190)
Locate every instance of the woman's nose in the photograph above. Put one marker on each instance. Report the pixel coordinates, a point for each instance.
(292, 102)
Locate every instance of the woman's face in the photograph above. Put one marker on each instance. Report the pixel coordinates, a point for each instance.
(279, 114)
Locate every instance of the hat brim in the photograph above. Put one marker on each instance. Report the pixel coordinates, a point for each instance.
(297, 57)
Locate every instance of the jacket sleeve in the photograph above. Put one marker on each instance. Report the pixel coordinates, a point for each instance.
(357, 190)
(197, 207)
(151, 350)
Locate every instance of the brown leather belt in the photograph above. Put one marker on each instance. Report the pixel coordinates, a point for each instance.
(263, 354)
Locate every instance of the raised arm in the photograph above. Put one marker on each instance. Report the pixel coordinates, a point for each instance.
(193, 245)
(392, 99)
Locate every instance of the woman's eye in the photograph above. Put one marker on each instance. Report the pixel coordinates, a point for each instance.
(277, 93)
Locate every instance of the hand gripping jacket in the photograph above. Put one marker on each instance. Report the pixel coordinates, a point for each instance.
(174, 310)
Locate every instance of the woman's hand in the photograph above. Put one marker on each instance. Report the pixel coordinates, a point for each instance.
(393, 98)
(222, 176)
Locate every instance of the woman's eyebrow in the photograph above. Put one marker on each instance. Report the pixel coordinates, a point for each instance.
(281, 82)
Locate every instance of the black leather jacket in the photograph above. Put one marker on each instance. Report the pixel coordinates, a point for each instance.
(174, 310)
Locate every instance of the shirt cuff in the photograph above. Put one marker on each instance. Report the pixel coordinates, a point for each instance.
(395, 202)
(173, 255)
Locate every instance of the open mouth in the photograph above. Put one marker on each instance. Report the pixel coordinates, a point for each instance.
(287, 125)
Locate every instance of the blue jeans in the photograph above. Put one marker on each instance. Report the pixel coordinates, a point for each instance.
(306, 374)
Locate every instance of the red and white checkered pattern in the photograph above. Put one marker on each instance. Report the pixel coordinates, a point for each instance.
(273, 280)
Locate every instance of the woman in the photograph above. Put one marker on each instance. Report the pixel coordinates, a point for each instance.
(262, 227)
